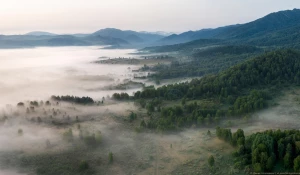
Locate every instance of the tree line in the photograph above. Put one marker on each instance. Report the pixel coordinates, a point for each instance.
(73, 99)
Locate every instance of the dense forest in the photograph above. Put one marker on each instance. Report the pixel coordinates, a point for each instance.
(240, 90)
(205, 61)
(263, 151)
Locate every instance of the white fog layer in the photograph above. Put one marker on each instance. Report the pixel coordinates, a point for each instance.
(38, 73)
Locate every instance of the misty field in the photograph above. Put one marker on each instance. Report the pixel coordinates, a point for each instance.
(76, 134)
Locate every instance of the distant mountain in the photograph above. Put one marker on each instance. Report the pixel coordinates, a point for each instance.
(279, 29)
(66, 40)
(134, 39)
(105, 40)
(194, 35)
(254, 32)
(40, 33)
(131, 36)
(270, 23)
(19, 41)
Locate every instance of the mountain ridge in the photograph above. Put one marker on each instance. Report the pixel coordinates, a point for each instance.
(267, 24)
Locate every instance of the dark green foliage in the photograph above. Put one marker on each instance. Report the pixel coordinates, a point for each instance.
(287, 161)
(121, 96)
(53, 163)
(257, 168)
(242, 89)
(224, 134)
(271, 162)
(238, 138)
(183, 101)
(262, 151)
(208, 133)
(211, 161)
(250, 103)
(143, 124)
(228, 49)
(269, 69)
(110, 157)
(73, 99)
(297, 164)
(83, 165)
(206, 61)
(132, 116)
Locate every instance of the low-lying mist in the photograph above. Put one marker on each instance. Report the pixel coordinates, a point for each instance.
(38, 73)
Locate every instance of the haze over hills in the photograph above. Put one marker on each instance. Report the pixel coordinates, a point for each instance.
(108, 36)
(40, 33)
(194, 35)
(213, 101)
(128, 35)
(276, 29)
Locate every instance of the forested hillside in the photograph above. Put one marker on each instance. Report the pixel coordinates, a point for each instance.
(206, 61)
(240, 90)
(184, 46)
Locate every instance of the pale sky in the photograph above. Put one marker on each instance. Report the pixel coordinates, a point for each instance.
(86, 16)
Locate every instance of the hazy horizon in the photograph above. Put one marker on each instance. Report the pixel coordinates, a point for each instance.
(149, 15)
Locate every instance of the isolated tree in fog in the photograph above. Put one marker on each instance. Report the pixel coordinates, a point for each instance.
(110, 157)
(20, 104)
(83, 165)
(39, 120)
(208, 133)
(20, 132)
(48, 103)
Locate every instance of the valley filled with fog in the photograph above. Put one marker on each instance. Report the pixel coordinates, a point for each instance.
(38, 73)
(133, 100)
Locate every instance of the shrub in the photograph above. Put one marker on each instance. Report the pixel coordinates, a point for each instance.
(20, 132)
(110, 157)
(83, 165)
(211, 161)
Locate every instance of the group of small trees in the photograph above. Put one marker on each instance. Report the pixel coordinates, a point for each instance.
(74, 99)
(93, 139)
(34, 104)
(120, 96)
